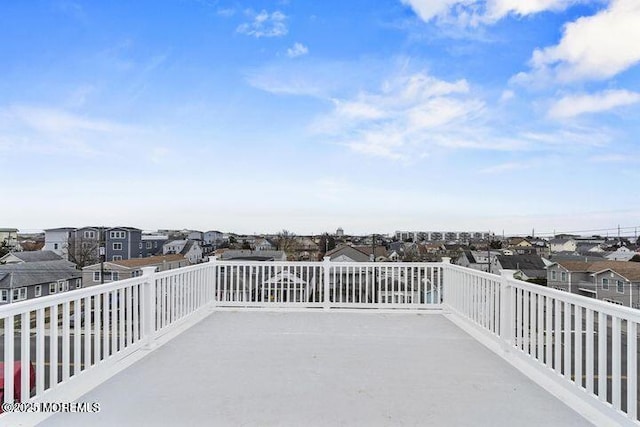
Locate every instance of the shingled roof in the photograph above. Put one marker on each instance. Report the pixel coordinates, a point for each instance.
(35, 273)
(630, 270)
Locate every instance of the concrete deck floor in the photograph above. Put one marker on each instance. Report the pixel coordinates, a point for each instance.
(322, 369)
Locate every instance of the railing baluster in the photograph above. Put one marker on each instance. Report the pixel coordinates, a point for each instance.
(632, 369)
(25, 356)
(567, 341)
(40, 335)
(53, 346)
(602, 356)
(9, 357)
(590, 348)
(616, 370)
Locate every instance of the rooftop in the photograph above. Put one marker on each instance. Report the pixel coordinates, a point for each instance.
(319, 368)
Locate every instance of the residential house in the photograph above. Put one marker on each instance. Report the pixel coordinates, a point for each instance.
(128, 268)
(613, 281)
(621, 254)
(345, 253)
(563, 245)
(478, 260)
(527, 267)
(24, 280)
(57, 240)
(195, 235)
(151, 244)
(213, 237)
(190, 249)
(263, 244)
(122, 243)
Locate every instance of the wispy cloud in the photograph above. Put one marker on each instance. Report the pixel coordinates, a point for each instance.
(596, 47)
(298, 49)
(476, 12)
(264, 24)
(575, 105)
(42, 129)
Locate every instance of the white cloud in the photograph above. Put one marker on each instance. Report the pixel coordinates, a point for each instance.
(407, 118)
(298, 49)
(575, 105)
(265, 24)
(474, 12)
(592, 48)
(507, 95)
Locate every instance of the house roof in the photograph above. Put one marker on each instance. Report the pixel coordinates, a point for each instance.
(521, 262)
(368, 250)
(630, 270)
(148, 261)
(35, 273)
(470, 257)
(348, 251)
(35, 256)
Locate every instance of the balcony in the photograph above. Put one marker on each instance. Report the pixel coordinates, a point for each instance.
(321, 343)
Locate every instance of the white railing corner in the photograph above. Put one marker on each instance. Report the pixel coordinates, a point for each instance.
(148, 307)
(446, 260)
(507, 311)
(213, 282)
(326, 268)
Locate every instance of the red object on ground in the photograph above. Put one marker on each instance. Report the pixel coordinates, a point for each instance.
(17, 380)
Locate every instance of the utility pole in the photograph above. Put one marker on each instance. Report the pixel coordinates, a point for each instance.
(102, 252)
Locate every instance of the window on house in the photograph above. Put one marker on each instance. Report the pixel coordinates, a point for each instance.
(38, 291)
(96, 276)
(605, 283)
(115, 275)
(52, 288)
(117, 258)
(140, 245)
(55, 246)
(66, 285)
(554, 275)
(117, 246)
(60, 286)
(148, 245)
(620, 286)
(563, 276)
(19, 294)
(4, 295)
(78, 283)
(117, 234)
(89, 234)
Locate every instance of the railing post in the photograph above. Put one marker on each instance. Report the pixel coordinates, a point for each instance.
(507, 311)
(213, 284)
(442, 289)
(148, 306)
(326, 269)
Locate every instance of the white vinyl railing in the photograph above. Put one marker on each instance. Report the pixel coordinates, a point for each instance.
(588, 344)
(68, 335)
(327, 284)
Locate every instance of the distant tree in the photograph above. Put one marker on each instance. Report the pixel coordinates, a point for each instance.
(83, 251)
(495, 244)
(4, 248)
(327, 243)
(285, 241)
(246, 245)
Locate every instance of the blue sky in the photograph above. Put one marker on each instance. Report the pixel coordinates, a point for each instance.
(254, 116)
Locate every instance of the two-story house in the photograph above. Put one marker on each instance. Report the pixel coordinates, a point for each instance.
(612, 281)
(122, 243)
(57, 240)
(190, 249)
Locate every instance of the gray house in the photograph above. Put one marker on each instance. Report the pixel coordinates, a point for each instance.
(24, 280)
(617, 282)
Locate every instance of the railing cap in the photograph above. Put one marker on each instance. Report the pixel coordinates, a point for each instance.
(147, 271)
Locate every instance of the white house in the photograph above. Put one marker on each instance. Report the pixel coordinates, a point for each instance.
(57, 240)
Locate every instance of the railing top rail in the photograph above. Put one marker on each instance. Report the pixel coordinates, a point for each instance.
(188, 268)
(322, 263)
(15, 308)
(619, 311)
(483, 274)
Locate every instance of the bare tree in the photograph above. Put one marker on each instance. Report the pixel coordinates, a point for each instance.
(83, 251)
(285, 241)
